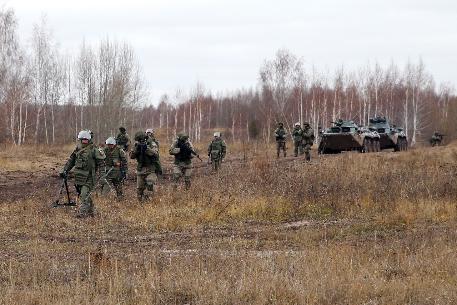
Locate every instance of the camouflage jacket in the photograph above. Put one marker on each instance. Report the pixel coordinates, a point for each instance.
(152, 139)
(147, 156)
(308, 136)
(185, 154)
(217, 149)
(297, 134)
(115, 159)
(280, 134)
(85, 160)
(123, 140)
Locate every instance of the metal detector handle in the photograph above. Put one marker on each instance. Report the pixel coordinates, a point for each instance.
(65, 181)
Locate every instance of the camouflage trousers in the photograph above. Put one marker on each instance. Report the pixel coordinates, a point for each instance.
(87, 207)
(145, 180)
(112, 183)
(307, 150)
(280, 145)
(180, 169)
(298, 148)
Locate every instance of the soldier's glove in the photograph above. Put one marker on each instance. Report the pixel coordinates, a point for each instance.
(63, 175)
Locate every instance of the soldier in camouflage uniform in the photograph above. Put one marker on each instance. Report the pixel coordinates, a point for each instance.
(152, 139)
(147, 157)
(123, 139)
(280, 136)
(116, 163)
(308, 140)
(297, 135)
(86, 159)
(183, 152)
(216, 151)
(436, 139)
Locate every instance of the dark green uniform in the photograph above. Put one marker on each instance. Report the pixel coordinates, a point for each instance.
(147, 157)
(297, 135)
(86, 160)
(123, 140)
(216, 152)
(436, 139)
(116, 163)
(280, 136)
(182, 150)
(308, 140)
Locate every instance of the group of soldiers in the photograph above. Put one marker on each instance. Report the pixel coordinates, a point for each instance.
(108, 165)
(303, 139)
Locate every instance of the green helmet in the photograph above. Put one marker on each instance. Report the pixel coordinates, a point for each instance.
(140, 136)
(122, 129)
(305, 124)
(182, 136)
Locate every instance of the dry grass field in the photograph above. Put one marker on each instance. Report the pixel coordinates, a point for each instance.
(343, 229)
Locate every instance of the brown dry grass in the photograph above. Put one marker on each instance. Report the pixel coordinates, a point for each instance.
(347, 229)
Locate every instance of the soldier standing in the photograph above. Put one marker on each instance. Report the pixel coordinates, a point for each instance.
(280, 136)
(436, 139)
(116, 163)
(308, 139)
(183, 152)
(147, 157)
(216, 151)
(86, 159)
(297, 135)
(123, 139)
(152, 139)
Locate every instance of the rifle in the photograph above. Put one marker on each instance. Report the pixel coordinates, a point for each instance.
(195, 154)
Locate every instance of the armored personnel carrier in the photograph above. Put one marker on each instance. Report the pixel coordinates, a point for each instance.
(390, 135)
(347, 136)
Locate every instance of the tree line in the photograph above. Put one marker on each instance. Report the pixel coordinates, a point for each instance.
(47, 96)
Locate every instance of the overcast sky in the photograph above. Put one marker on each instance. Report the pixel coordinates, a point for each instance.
(223, 43)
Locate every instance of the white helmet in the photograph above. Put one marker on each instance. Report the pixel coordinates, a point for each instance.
(149, 130)
(84, 134)
(217, 134)
(110, 141)
(297, 124)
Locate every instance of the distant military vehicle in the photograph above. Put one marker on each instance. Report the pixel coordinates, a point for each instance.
(390, 135)
(347, 136)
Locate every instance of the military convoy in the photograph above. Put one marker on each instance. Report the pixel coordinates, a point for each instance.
(348, 136)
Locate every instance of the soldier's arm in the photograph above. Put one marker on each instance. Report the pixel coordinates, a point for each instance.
(209, 148)
(123, 158)
(70, 162)
(172, 147)
(152, 150)
(133, 152)
(99, 156)
(224, 149)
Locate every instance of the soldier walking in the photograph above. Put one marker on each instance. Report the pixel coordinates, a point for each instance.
(308, 140)
(183, 152)
(86, 160)
(216, 151)
(280, 136)
(297, 135)
(147, 157)
(116, 163)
